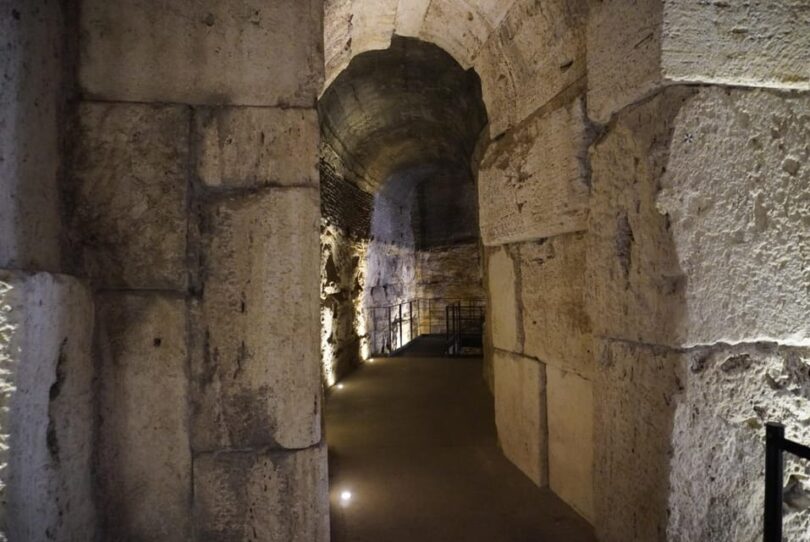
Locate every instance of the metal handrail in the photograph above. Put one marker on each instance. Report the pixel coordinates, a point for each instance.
(465, 326)
(775, 446)
(392, 327)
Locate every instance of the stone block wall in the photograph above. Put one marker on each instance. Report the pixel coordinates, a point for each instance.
(697, 247)
(534, 189)
(194, 214)
(643, 204)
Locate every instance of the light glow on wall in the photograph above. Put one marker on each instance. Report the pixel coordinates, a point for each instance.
(345, 497)
(8, 357)
(327, 348)
(360, 322)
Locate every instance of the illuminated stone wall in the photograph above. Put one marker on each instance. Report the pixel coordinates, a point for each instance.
(643, 205)
(641, 177)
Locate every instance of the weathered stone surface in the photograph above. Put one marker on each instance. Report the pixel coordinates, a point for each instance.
(520, 413)
(536, 53)
(635, 281)
(144, 462)
(496, 64)
(46, 408)
(634, 405)
(763, 44)
(390, 274)
(337, 38)
(391, 257)
(736, 195)
(636, 47)
(731, 392)
(410, 16)
(372, 24)
(556, 325)
(255, 366)
(450, 272)
(130, 171)
(269, 496)
(343, 320)
(245, 52)
(624, 54)
(456, 28)
(503, 307)
(686, 188)
(570, 439)
(31, 81)
(533, 182)
(249, 147)
(698, 411)
(459, 27)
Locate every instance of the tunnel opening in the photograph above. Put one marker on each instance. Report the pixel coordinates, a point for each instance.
(399, 211)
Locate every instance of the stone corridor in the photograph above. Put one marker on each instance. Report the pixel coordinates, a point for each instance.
(212, 211)
(413, 441)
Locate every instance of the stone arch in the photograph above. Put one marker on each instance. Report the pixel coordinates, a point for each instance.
(524, 52)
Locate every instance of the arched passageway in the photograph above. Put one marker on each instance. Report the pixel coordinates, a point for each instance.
(412, 439)
(642, 203)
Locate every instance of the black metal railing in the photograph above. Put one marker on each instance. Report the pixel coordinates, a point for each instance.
(392, 327)
(775, 446)
(465, 326)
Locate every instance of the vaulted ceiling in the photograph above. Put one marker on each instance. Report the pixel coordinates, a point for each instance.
(408, 108)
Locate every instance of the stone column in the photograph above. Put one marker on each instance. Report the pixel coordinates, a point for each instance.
(197, 212)
(46, 316)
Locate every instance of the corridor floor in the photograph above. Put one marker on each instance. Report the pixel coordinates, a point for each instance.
(414, 457)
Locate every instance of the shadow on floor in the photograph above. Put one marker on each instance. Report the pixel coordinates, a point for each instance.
(413, 452)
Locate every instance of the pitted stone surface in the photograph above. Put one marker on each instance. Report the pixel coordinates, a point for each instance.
(687, 187)
(570, 439)
(731, 392)
(556, 325)
(255, 370)
(144, 463)
(636, 285)
(256, 495)
(503, 300)
(636, 389)
(736, 196)
(130, 183)
(533, 182)
(246, 52)
(46, 408)
(250, 147)
(520, 413)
